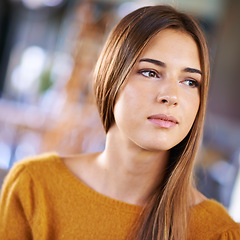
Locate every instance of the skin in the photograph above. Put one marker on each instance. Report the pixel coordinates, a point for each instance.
(166, 92)
(137, 145)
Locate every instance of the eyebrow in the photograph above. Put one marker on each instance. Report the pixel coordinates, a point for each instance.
(154, 61)
(192, 70)
(162, 64)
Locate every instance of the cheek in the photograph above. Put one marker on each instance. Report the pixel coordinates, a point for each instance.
(123, 105)
(129, 100)
(190, 112)
(128, 110)
(192, 107)
(195, 105)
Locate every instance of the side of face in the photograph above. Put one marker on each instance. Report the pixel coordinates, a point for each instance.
(159, 102)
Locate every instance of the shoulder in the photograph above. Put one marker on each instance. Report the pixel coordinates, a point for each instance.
(45, 158)
(212, 209)
(50, 166)
(37, 160)
(30, 166)
(210, 220)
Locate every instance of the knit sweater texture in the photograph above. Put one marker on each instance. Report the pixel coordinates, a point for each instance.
(42, 200)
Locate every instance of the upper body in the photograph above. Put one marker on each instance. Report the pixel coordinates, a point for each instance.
(151, 84)
(43, 199)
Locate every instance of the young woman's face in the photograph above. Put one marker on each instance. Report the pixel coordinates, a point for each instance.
(156, 108)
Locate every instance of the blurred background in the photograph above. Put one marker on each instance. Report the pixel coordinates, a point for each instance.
(48, 49)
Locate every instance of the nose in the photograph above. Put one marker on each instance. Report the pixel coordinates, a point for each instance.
(168, 93)
(167, 99)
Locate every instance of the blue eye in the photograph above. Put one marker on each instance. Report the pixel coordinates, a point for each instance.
(191, 83)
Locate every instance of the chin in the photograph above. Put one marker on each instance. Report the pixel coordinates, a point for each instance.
(155, 147)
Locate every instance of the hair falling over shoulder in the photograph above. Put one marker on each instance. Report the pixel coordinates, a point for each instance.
(165, 216)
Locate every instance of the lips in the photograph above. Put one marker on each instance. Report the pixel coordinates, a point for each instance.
(163, 121)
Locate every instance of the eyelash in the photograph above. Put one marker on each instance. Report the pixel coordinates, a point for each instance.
(143, 72)
(195, 82)
(146, 73)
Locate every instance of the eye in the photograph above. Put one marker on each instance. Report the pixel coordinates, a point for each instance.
(149, 73)
(191, 83)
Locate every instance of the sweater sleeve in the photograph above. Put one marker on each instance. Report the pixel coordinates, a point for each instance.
(16, 205)
(232, 234)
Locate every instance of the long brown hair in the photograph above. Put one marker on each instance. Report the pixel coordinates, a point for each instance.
(165, 215)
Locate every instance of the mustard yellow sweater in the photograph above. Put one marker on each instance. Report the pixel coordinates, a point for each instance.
(42, 200)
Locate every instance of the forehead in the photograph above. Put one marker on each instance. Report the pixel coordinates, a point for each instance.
(171, 45)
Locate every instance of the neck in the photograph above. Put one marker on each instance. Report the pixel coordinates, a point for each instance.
(131, 173)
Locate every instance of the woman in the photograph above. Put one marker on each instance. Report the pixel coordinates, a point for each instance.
(151, 85)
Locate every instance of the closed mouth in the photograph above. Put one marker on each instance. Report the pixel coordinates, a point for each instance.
(164, 117)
